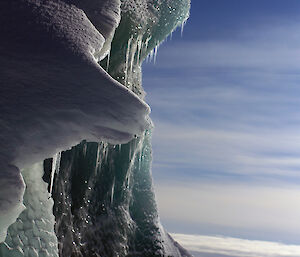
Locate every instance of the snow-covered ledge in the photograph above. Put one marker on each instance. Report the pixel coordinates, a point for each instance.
(53, 93)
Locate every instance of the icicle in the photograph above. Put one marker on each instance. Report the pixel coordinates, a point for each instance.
(133, 50)
(145, 47)
(140, 158)
(108, 59)
(155, 53)
(52, 172)
(139, 50)
(147, 43)
(182, 27)
(112, 193)
(97, 159)
(151, 55)
(127, 59)
(55, 168)
(105, 150)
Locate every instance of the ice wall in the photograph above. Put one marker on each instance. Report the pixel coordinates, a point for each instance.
(145, 24)
(104, 202)
(33, 234)
(55, 94)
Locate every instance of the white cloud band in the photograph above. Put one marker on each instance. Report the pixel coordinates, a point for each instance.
(235, 247)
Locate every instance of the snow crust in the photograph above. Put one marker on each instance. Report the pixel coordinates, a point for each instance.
(32, 234)
(53, 93)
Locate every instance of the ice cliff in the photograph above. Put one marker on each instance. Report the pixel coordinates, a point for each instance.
(71, 71)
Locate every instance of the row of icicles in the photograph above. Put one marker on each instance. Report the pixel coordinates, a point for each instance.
(102, 151)
(136, 49)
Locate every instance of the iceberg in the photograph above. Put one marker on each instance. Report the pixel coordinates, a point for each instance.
(75, 159)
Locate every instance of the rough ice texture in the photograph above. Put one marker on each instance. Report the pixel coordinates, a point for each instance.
(104, 202)
(53, 93)
(32, 234)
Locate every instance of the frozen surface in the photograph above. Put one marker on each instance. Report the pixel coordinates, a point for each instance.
(54, 93)
(113, 212)
(32, 234)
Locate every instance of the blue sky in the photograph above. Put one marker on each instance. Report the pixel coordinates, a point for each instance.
(225, 101)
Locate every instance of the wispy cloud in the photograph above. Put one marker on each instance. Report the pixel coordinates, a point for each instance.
(249, 153)
(235, 247)
(212, 117)
(227, 122)
(266, 48)
(272, 209)
(234, 55)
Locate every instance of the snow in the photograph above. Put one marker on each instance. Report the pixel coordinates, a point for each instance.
(33, 234)
(53, 93)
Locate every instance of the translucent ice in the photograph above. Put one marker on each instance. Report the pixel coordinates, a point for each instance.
(54, 94)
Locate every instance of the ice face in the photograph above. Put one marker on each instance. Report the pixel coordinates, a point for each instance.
(12, 190)
(145, 24)
(54, 94)
(32, 234)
